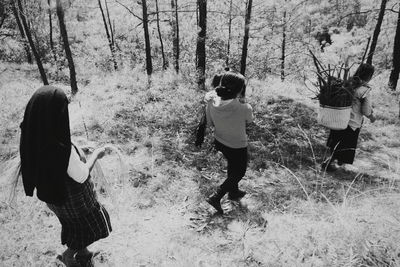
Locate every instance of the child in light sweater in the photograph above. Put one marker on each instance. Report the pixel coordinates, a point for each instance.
(229, 116)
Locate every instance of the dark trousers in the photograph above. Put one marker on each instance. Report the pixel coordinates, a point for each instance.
(343, 144)
(237, 165)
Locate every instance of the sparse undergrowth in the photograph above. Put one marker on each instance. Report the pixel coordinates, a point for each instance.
(294, 214)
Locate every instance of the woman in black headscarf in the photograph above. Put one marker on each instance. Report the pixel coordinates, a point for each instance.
(58, 171)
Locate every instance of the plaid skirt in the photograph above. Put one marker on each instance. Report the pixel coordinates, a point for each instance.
(83, 219)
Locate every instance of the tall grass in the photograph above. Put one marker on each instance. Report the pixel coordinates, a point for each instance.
(294, 213)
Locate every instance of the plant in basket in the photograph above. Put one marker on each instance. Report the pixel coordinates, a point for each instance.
(335, 93)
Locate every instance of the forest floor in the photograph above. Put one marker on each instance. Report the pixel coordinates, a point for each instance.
(293, 215)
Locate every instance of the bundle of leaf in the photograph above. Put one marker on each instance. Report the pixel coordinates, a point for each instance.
(106, 183)
(12, 172)
(200, 130)
(335, 94)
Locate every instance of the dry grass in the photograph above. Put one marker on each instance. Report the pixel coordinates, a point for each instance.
(293, 215)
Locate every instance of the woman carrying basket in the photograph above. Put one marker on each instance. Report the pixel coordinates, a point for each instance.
(343, 143)
(53, 166)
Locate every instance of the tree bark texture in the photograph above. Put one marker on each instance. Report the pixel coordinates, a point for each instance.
(149, 65)
(201, 44)
(246, 37)
(165, 64)
(376, 32)
(53, 50)
(394, 74)
(3, 13)
(31, 43)
(175, 29)
(228, 46)
(283, 55)
(68, 53)
(109, 23)
(23, 36)
(109, 36)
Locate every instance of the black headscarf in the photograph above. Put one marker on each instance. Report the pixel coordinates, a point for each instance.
(45, 145)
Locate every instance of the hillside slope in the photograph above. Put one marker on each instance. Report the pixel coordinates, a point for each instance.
(293, 215)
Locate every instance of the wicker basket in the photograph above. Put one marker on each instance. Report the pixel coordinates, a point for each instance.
(334, 118)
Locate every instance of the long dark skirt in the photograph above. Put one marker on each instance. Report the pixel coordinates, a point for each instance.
(83, 219)
(237, 165)
(343, 144)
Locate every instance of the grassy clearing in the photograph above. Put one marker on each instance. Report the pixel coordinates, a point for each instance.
(294, 214)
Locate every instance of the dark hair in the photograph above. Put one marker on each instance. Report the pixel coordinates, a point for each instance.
(229, 84)
(362, 76)
(364, 72)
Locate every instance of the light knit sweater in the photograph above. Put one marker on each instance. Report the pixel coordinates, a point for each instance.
(229, 119)
(361, 107)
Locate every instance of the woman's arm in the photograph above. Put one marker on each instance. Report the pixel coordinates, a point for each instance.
(78, 170)
(249, 114)
(209, 120)
(367, 109)
(97, 154)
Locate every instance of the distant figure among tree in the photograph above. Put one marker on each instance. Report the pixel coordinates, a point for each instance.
(324, 38)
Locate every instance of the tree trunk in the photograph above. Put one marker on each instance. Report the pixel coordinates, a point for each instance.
(165, 64)
(109, 38)
(228, 47)
(246, 37)
(3, 13)
(201, 44)
(175, 33)
(283, 55)
(111, 26)
(197, 23)
(53, 50)
(31, 43)
(376, 32)
(394, 74)
(23, 36)
(64, 35)
(3, 18)
(149, 65)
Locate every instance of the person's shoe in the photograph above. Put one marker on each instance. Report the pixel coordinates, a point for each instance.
(236, 195)
(215, 201)
(86, 260)
(328, 166)
(68, 261)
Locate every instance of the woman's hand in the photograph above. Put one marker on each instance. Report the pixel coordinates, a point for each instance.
(99, 152)
(242, 99)
(372, 118)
